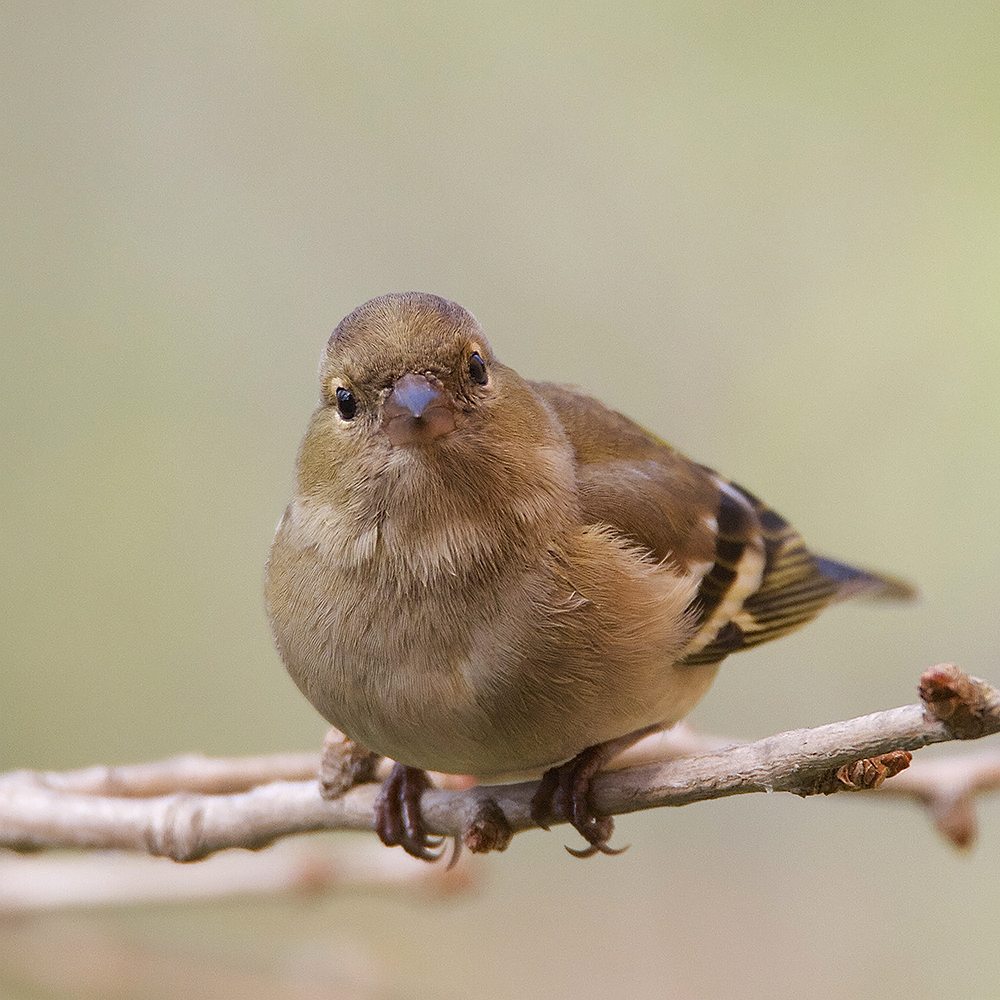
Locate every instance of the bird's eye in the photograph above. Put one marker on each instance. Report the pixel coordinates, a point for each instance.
(347, 405)
(477, 370)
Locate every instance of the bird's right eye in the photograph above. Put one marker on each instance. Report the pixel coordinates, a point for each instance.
(347, 405)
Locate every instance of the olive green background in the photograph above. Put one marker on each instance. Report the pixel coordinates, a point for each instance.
(768, 232)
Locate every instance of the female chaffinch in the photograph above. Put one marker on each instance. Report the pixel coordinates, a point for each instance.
(483, 575)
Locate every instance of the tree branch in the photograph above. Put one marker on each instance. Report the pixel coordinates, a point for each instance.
(947, 788)
(211, 805)
(51, 882)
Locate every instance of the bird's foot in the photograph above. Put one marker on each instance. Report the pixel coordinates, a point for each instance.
(397, 813)
(565, 791)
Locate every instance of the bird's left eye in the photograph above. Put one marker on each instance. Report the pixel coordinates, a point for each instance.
(477, 370)
(347, 405)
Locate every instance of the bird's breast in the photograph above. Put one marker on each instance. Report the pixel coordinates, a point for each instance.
(453, 657)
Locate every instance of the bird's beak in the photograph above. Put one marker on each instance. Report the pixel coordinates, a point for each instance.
(417, 412)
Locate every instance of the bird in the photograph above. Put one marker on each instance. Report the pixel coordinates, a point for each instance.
(484, 575)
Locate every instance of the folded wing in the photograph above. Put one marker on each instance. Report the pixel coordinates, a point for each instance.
(757, 579)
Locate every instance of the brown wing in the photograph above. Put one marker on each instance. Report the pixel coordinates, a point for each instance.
(758, 581)
(629, 479)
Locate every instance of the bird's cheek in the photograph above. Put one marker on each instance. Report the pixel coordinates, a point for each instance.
(434, 422)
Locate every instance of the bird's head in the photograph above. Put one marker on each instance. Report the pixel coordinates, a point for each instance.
(408, 368)
(416, 411)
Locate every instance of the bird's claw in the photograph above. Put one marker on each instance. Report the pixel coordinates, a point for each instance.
(397, 813)
(398, 821)
(565, 791)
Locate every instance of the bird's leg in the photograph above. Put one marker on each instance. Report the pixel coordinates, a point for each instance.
(565, 790)
(397, 813)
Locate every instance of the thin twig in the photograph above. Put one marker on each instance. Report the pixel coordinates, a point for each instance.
(184, 773)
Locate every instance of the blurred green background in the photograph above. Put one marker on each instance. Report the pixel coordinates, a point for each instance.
(769, 232)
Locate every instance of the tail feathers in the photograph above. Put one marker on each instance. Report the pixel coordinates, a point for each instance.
(854, 582)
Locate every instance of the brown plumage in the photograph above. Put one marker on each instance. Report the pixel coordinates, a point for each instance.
(484, 575)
